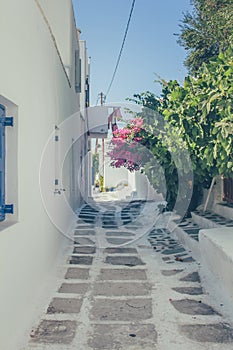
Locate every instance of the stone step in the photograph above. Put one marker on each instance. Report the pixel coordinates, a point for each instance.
(187, 233)
(209, 219)
(224, 209)
(190, 228)
(165, 242)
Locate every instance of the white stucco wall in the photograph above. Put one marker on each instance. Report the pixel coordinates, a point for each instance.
(138, 184)
(37, 92)
(59, 16)
(144, 189)
(114, 176)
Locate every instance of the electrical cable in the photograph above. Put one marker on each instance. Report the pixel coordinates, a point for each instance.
(121, 50)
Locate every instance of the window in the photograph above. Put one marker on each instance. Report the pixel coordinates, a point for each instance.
(4, 122)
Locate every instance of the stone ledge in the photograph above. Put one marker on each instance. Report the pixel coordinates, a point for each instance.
(224, 210)
(202, 221)
(188, 242)
(216, 246)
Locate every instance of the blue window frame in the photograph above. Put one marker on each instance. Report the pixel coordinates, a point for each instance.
(4, 122)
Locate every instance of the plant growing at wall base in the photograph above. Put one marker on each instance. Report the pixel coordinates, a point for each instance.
(101, 183)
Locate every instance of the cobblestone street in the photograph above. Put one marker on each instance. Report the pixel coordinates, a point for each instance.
(122, 289)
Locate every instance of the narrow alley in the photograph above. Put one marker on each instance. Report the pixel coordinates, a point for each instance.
(116, 175)
(124, 290)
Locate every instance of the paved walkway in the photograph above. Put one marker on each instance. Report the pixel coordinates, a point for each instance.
(122, 293)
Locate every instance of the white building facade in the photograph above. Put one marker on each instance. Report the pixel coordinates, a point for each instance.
(41, 85)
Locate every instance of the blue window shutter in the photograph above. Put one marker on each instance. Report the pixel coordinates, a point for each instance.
(4, 121)
(77, 72)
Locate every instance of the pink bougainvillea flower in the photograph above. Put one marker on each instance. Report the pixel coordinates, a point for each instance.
(138, 139)
(125, 142)
(137, 122)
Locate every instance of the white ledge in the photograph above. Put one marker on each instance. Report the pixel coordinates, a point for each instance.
(216, 246)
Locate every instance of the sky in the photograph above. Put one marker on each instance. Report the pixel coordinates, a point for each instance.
(150, 49)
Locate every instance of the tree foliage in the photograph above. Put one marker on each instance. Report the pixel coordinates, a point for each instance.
(196, 118)
(207, 31)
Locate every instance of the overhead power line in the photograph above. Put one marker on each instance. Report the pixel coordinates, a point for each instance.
(121, 50)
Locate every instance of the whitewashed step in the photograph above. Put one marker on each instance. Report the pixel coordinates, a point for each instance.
(224, 209)
(210, 220)
(189, 241)
(216, 247)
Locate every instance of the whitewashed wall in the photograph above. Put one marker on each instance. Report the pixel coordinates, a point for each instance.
(37, 87)
(138, 184)
(114, 177)
(144, 189)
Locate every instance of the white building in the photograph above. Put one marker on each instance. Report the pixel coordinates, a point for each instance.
(40, 87)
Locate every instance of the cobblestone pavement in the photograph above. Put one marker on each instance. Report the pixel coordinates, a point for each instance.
(122, 293)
